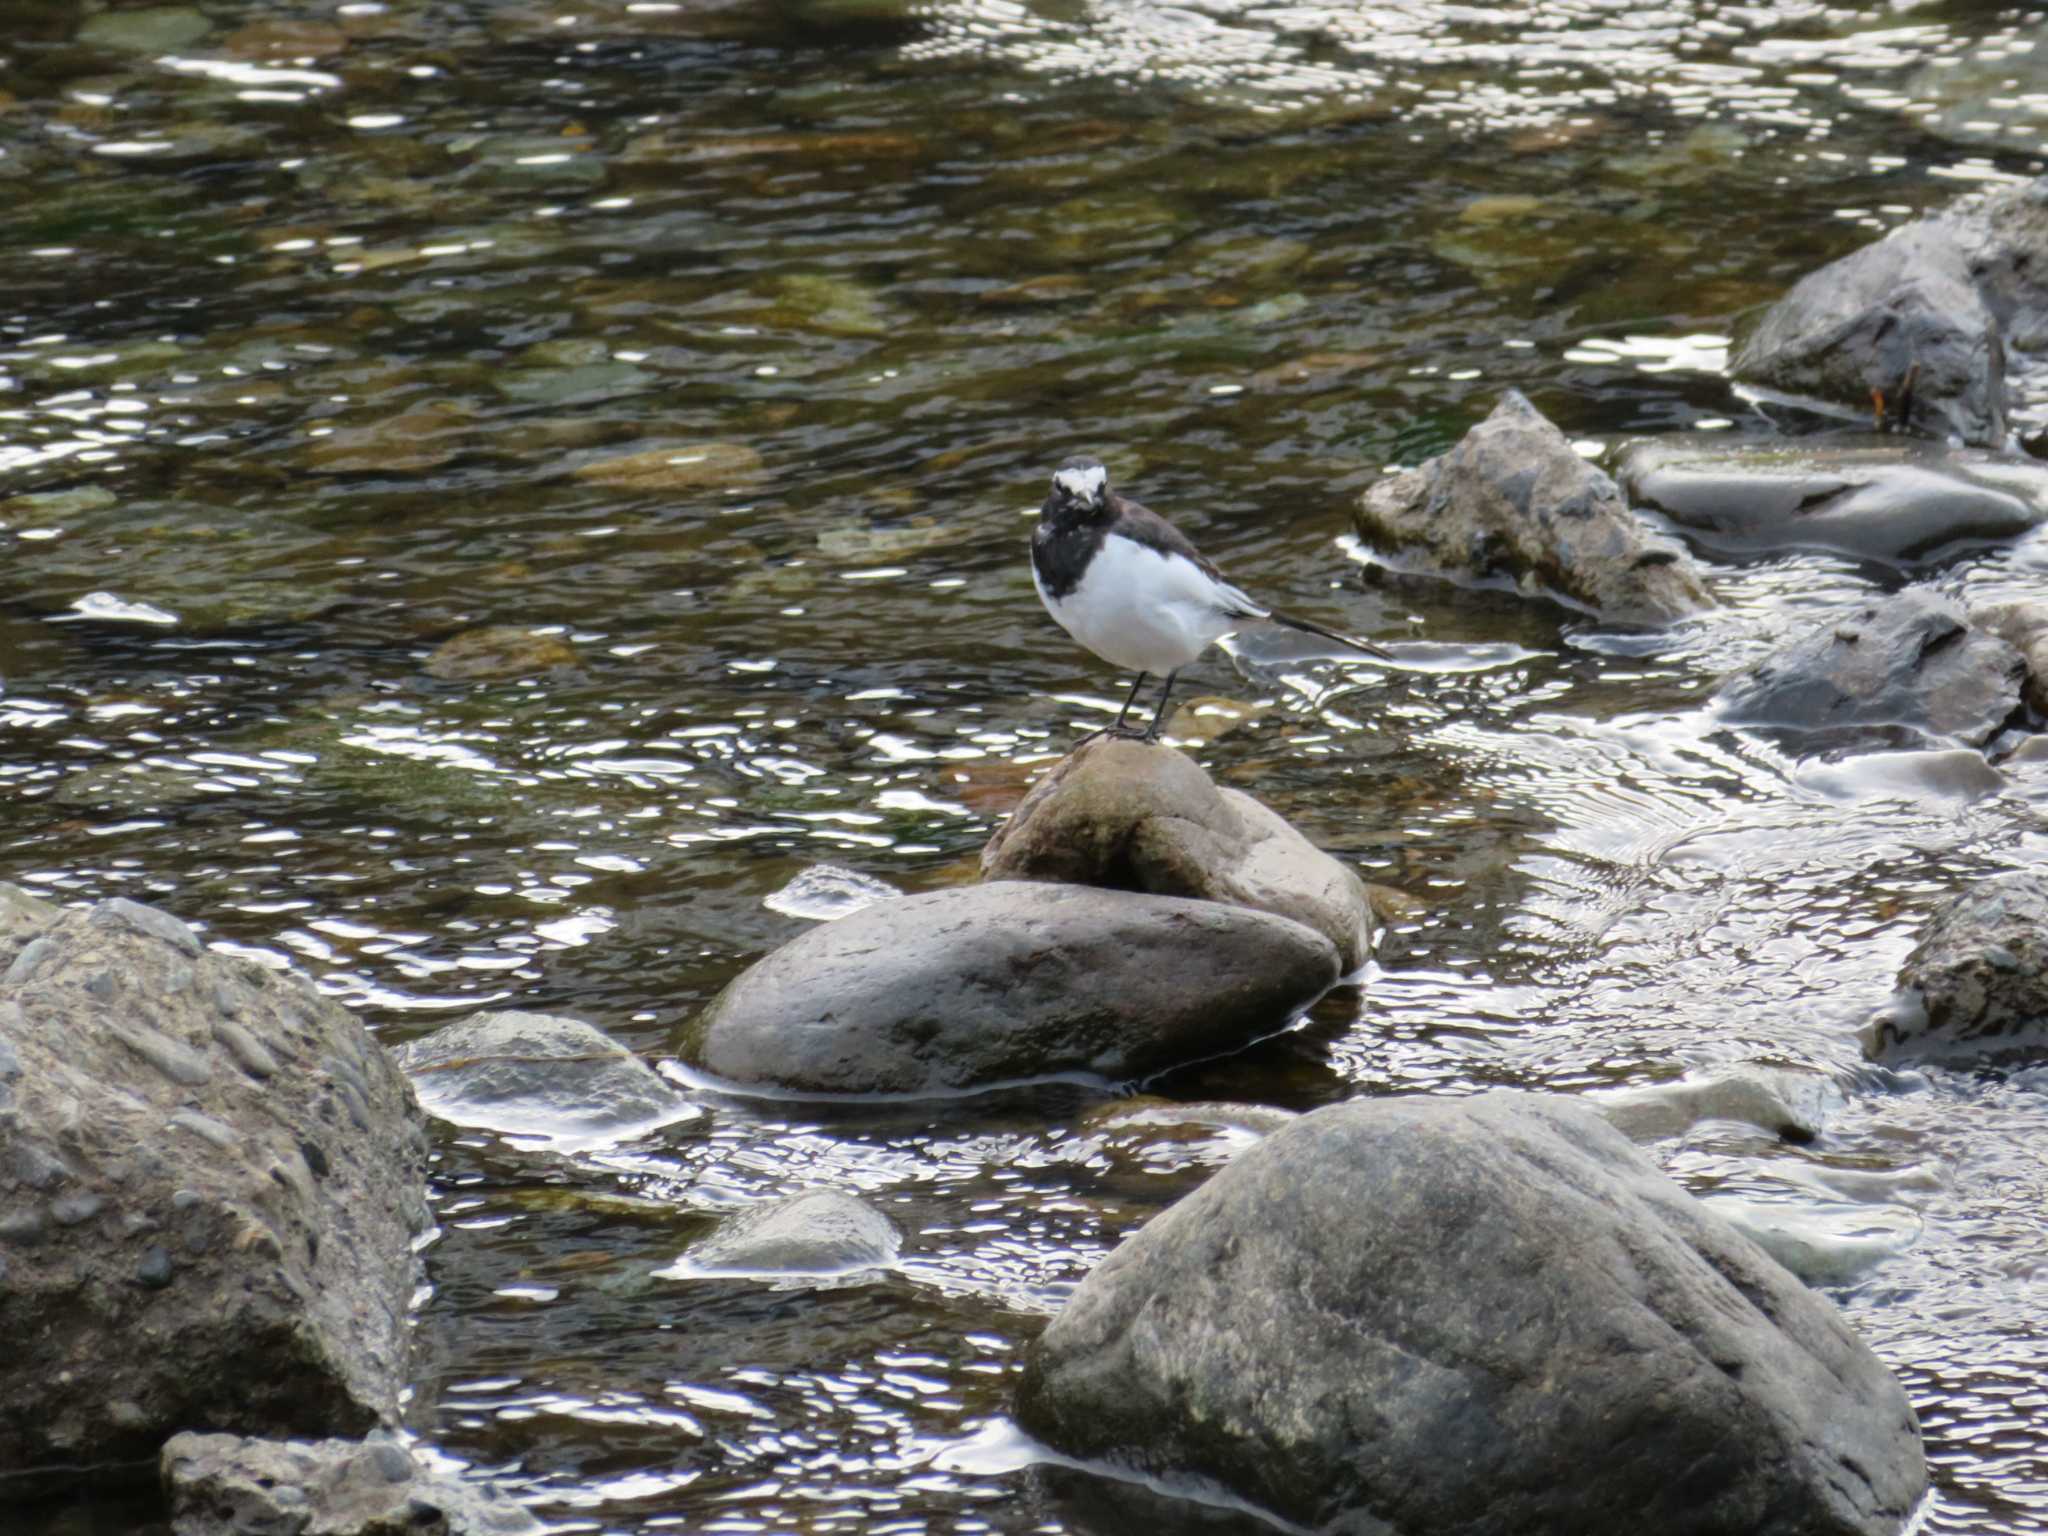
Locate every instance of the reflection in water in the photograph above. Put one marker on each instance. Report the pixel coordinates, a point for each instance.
(708, 366)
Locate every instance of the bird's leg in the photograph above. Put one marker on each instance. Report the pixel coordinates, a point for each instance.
(1159, 714)
(1120, 729)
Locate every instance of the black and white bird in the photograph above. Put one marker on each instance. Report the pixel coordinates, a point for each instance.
(1129, 586)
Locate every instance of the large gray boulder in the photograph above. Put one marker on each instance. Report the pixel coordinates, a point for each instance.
(211, 1181)
(1976, 985)
(962, 988)
(1129, 816)
(541, 1077)
(1890, 498)
(1492, 1316)
(225, 1485)
(1907, 663)
(1513, 500)
(1959, 300)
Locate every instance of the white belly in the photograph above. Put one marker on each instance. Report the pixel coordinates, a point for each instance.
(1141, 610)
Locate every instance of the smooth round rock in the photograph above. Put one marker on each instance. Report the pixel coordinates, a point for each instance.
(1489, 1315)
(1004, 982)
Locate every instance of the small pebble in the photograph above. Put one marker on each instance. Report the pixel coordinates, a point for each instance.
(153, 1270)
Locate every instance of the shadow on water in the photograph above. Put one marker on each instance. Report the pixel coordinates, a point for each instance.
(322, 335)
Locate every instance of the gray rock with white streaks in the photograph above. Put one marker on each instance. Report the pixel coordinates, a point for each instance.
(211, 1182)
(1890, 497)
(539, 1075)
(1910, 662)
(1976, 985)
(224, 1485)
(961, 988)
(1492, 1316)
(1513, 501)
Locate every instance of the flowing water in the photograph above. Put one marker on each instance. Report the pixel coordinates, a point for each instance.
(310, 316)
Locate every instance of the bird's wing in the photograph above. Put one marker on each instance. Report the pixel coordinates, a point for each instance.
(1141, 525)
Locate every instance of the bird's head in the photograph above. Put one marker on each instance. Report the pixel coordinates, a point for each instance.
(1080, 489)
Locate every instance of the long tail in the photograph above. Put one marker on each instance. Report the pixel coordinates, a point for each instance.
(1351, 642)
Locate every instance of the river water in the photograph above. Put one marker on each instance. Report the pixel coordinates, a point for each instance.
(311, 314)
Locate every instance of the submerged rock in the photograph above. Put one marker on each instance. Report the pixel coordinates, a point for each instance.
(959, 989)
(1890, 498)
(1909, 661)
(1512, 500)
(1833, 1243)
(497, 652)
(687, 468)
(827, 892)
(539, 1075)
(1491, 1315)
(819, 1232)
(1977, 982)
(1788, 1104)
(1129, 816)
(224, 1485)
(1954, 298)
(212, 1182)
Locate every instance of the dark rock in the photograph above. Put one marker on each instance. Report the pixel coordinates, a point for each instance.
(1128, 816)
(819, 1232)
(1909, 661)
(1863, 323)
(167, 1186)
(962, 988)
(539, 1075)
(1512, 500)
(1976, 985)
(1889, 498)
(1961, 295)
(223, 1485)
(1492, 1316)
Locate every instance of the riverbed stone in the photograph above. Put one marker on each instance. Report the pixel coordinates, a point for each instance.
(539, 1076)
(1961, 296)
(1513, 501)
(963, 988)
(1782, 1101)
(496, 652)
(687, 467)
(1491, 1315)
(818, 1232)
(1887, 497)
(2023, 625)
(228, 1485)
(1976, 985)
(1908, 662)
(213, 1180)
(1133, 816)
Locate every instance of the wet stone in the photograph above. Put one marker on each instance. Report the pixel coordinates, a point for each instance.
(1976, 985)
(498, 652)
(540, 1076)
(1906, 663)
(1889, 498)
(825, 892)
(690, 467)
(819, 1232)
(151, 29)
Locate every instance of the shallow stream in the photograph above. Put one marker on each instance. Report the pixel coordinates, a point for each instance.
(311, 314)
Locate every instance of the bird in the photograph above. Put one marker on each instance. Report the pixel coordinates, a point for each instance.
(1128, 585)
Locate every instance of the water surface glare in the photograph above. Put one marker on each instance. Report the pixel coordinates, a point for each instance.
(323, 330)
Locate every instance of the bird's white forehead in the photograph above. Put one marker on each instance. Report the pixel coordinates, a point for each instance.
(1084, 484)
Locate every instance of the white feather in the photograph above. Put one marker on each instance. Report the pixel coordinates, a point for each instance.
(1083, 484)
(1146, 611)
